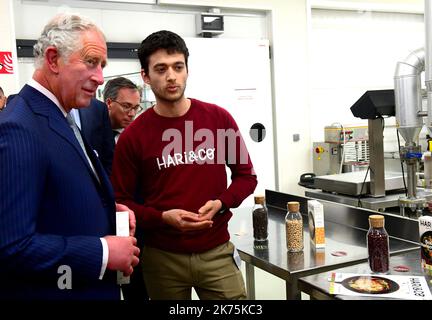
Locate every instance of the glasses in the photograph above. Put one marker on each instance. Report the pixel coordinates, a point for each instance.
(128, 108)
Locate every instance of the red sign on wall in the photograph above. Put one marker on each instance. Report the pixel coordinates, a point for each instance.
(6, 63)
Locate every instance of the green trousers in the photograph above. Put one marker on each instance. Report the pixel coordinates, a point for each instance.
(213, 274)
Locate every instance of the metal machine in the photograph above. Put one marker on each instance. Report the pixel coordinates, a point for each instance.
(375, 181)
(345, 149)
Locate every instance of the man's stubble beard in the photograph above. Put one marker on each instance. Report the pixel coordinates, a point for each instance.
(167, 98)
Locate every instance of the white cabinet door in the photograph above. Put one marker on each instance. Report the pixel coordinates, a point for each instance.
(235, 74)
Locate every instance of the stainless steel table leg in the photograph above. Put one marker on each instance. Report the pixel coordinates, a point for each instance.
(250, 281)
(292, 292)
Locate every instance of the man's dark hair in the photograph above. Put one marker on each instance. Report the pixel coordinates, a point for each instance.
(163, 39)
(1, 91)
(113, 86)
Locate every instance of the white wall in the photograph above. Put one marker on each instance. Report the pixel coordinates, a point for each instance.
(126, 23)
(410, 6)
(8, 82)
(352, 52)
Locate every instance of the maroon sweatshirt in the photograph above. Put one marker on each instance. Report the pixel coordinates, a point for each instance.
(163, 163)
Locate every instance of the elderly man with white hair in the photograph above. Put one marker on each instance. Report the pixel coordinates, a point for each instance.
(57, 210)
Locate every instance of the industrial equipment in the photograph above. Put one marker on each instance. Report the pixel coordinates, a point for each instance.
(345, 149)
(376, 181)
(378, 189)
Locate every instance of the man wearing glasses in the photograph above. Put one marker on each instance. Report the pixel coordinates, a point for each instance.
(123, 98)
(100, 125)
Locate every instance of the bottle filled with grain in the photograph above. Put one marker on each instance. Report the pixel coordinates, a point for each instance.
(378, 245)
(294, 227)
(260, 219)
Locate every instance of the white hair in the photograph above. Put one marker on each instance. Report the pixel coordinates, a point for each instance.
(62, 32)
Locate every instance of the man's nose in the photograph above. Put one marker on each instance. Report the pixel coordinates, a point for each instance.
(132, 112)
(98, 75)
(171, 75)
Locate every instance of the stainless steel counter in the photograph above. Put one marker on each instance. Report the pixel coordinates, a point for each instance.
(274, 258)
(382, 203)
(317, 285)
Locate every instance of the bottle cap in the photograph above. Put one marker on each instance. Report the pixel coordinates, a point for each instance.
(293, 206)
(259, 199)
(376, 221)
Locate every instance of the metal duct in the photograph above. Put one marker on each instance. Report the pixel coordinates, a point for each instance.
(408, 95)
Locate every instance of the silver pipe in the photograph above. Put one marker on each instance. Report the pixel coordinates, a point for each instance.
(408, 99)
(412, 180)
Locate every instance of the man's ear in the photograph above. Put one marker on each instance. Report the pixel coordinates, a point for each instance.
(145, 78)
(108, 103)
(52, 59)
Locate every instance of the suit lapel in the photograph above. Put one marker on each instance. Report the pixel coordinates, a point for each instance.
(104, 180)
(42, 105)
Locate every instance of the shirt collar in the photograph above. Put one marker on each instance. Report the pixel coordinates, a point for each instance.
(36, 85)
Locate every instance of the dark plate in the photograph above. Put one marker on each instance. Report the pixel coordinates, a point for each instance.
(384, 285)
(426, 241)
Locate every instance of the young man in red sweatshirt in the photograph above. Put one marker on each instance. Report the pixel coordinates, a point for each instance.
(169, 168)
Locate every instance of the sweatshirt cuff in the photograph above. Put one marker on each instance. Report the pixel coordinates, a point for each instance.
(227, 200)
(223, 208)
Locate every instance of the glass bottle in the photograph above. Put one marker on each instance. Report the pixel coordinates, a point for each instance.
(378, 245)
(260, 219)
(294, 227)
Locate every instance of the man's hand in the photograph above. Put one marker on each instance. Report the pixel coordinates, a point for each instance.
(122, 254)
(185, 220)
(207, 211)
(132, 219)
